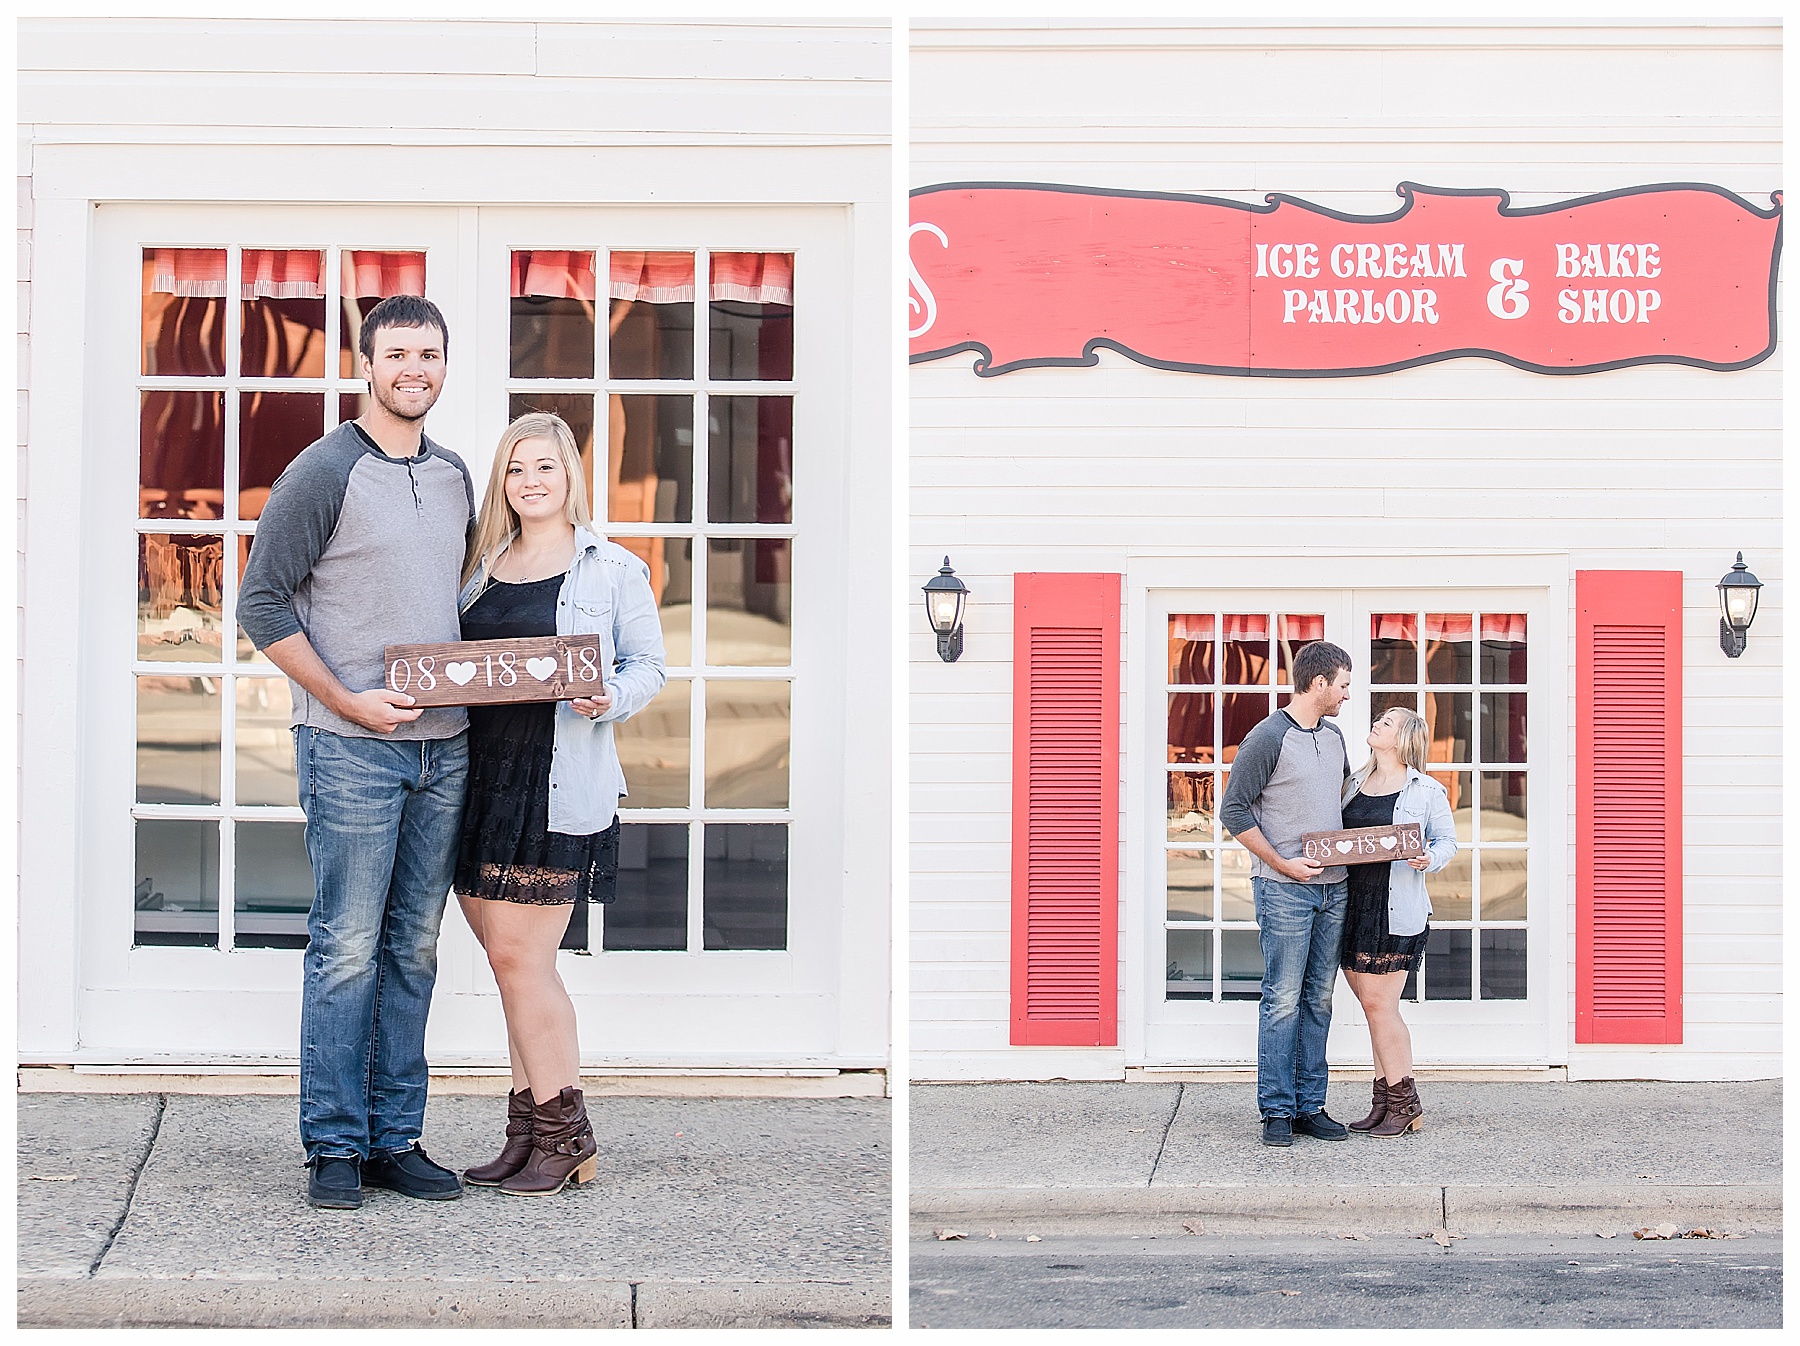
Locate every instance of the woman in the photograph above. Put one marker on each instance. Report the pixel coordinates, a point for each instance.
(541, 831)
(1385, 924)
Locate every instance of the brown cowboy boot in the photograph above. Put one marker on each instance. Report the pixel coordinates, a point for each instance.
(518, 1144)
(1404, 1111)
(1377, 1110)
(562, 1148)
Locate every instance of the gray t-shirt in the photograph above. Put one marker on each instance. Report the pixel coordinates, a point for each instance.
(361, 551)
(1285, 781)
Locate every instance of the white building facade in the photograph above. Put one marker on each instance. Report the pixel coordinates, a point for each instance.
(1487, 541)
(674, 235)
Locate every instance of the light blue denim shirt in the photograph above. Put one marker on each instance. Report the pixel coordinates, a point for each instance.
(1422, 800)
(606, 593)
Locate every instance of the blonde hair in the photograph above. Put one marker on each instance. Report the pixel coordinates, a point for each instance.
(498, 521)
(1412, 741)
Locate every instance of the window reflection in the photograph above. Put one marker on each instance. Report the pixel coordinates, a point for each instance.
(274, 886)
(1502, 885)
(671, 564)
(1503, 647)
(180, 615)
(651, 321)
(1246, 649)
(1191, 650)
(749, 601)
(750, 469)
(745, 885)
(283, 314)
(183, 319)
(654, 749)
(650, 459)
(272, 429)
(1393, 648)
(176, 898)
(751, 316)
(369, 276)
(1449, 651)
(265, 743)
(1242, 970)
(650, 910)
(1291, 632)
(1503, 964)
(747, 745)
(1447, 965)
(1189, 885)
(1192, 805)
(1190, 727)
(178, 732)
(181, 455)
(1188, 975)
(553, 315)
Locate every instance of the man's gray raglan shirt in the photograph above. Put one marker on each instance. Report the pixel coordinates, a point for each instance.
(1287, 780)
(361, 551)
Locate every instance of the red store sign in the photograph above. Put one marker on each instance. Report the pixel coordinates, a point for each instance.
(1031, 274)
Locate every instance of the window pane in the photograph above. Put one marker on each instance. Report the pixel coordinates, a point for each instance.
(1447, 725)
(1241, 953)
(577, 412)
(1393, 648)
(1503, 647)
(1462, 801)
(1243, 712)
(353, 405)
(1503, 806)
(1237, 902)
(651, 319)
(1503, 726)
(1449, 889)
(274, 886)
(181, 455)
(179, 603)
(1447, 965)
(177, 893)
(650, 459)
(552, 315)
(1190, 885)
(650, 910)
(284, 314)
(745, 885)
(1191, 650)
(265, 743)
(178, 731)
(1192, 805)
(369, 277)
(1291, 632)
(747, 745)
(1246, 649)
(183, 321)
(654, 749)
(1382, 702)
(1502, 885)
(272, 429)
(1503, 964)
(671, 563)
(1191, 727)
(749, 601)
(247, 652)
(750, 473)
(752, 315)
(1449, 651)
(1189, 973)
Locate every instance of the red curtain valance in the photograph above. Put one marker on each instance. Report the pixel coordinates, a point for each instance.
(1296, 630)
(654, 277)
(283, 273)
(1453, 626)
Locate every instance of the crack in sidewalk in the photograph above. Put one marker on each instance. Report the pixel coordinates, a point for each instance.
(634, 1293)
(1180, 1093)
(162, 1106)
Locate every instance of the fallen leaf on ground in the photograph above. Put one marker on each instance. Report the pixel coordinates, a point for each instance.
(1289, 1293)
(1194, 1227)
(1613, 1235)
(1661, 1231)
(1136, 1130)
(52, 1177)
(945, 1235)
(1360, 1238)
(1033, 1238)
(1710, 1234)
(1442, 1237)
(993, 1234)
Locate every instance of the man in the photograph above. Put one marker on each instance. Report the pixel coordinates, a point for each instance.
(1287, 779)
(361, 546)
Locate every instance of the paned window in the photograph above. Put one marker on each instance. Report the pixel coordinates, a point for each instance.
(682, 403)
(248, 355)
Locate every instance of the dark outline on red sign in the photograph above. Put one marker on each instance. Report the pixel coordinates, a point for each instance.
(1090, 353)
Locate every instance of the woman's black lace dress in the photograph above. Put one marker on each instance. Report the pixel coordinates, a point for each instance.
(508, 851)
(1368, 947)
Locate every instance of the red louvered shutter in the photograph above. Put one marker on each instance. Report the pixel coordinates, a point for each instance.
(1628, 806)
(1065, 837)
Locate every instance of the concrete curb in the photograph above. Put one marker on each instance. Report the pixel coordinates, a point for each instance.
(1324, 1209)
(143, 1302)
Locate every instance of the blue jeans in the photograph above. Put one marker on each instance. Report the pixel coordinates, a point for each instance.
(382, 819)
(1300, 927)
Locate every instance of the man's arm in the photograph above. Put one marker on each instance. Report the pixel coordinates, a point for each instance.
(1299, 869)
(1250, 772)
(379, 709)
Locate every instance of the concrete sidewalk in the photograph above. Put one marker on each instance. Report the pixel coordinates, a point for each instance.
(1492, 1158)
(166, 1210)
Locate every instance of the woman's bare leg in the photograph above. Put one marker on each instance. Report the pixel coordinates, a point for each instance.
(1388, 1034)
(472, 909)
(521, 942)
(1359, 986)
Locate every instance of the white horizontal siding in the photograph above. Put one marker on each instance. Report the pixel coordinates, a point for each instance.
(1656, 467)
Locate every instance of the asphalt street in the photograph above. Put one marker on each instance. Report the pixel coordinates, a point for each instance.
(1323, 1281)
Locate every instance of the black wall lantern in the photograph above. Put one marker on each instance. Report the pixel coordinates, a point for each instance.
(945, 596)
(1738, 593)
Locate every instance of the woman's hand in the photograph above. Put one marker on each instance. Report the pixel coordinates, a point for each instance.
(1420, 862)
(592, 706)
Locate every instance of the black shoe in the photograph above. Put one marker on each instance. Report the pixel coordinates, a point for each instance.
(1278, 1131)
(1318, 1125)
(334, 1183)
(410, 1172)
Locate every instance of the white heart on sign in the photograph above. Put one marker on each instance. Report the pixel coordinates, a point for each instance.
(541, 668)
(1387, 843)
(1345, 847)
(460, 674)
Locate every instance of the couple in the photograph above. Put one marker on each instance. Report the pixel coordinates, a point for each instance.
(371, 538)
(1292, 776)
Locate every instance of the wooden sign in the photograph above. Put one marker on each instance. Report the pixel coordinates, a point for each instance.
(1364, 845)
(496, 672)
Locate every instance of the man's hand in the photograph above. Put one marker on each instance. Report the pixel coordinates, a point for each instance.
(380, 710)
(1299, 869)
